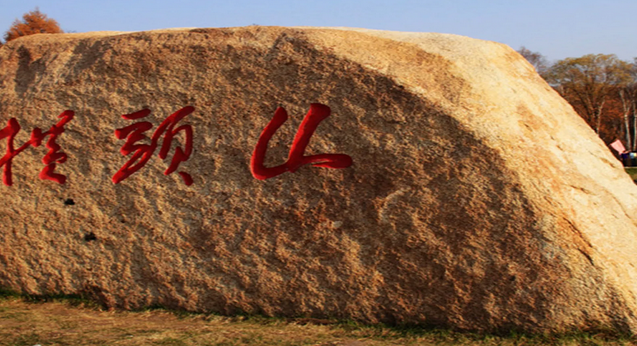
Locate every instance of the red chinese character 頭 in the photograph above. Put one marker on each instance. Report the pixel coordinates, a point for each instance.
(143, 152)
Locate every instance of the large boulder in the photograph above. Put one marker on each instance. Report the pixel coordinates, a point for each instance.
(476, 198)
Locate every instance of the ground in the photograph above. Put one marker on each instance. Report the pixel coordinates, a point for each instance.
(28, 321)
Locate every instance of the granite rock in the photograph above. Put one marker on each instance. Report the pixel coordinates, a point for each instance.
(477, 198)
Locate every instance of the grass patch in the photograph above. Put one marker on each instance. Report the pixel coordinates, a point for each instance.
(71, 299)
(6, 293)
(632, 171)
(71, 320)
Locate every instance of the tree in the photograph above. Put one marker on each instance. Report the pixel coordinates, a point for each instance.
(628, 97)
(34, 22)
(588, 82)
(536, 59)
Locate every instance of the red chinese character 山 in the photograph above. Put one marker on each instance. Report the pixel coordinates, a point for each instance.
(317, 113)
(50, 160)
(143, 152)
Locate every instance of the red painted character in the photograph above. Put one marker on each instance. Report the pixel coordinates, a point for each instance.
(143, 152)
(50, 160)
(317, 113)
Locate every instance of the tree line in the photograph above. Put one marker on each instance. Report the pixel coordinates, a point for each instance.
(601, 88)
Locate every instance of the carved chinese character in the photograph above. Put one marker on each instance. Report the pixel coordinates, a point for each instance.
(143, 152)
(50, 160)
(317, 113)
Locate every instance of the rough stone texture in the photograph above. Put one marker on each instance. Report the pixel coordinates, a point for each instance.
(478, 199)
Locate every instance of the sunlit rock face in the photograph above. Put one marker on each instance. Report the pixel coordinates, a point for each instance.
(474, 196)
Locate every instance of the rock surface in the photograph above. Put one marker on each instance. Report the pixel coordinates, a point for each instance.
(477, 198)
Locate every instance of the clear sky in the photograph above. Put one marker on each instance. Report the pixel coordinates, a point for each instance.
(555, 28)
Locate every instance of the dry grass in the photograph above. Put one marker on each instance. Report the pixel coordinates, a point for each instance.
(58, 322)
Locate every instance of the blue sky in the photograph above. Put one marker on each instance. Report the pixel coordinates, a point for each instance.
(557, 28)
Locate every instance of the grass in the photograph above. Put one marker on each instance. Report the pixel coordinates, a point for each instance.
(64, 320)
(632, 171)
